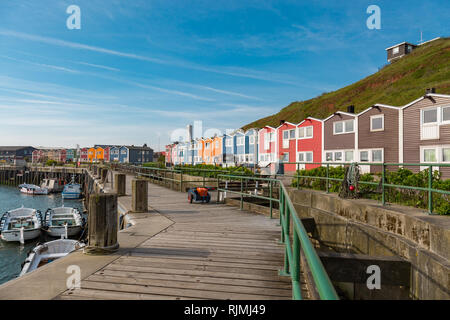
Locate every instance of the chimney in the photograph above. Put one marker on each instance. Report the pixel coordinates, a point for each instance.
(351, 109)
(430, 90)
(282, 122)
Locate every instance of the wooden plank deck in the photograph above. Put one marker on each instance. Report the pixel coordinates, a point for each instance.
(212, 251)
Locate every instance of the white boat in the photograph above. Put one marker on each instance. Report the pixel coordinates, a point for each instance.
(72, 190)
(52, 185)
(63, 221)
(20, 225)
(32, 189)
(48, 252)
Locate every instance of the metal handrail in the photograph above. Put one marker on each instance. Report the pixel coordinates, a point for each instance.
(383, 166)
(300, 241)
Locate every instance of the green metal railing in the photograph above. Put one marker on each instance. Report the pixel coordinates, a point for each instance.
(295, 238)
(429, 189)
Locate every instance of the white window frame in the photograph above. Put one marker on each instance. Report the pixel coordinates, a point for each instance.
(305, 136)
(240, 141)
(430, 124)
(396, 50)
(343, 127)
(305, 158)
(442, 153)
(442, 115)
(251, 140)
(376, 117)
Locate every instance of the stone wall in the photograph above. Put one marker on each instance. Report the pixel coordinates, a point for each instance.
(366, 227)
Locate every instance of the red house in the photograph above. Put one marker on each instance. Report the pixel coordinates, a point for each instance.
(309, 142)
(286, 151)
(84, 155)
(267, 146)
(106, 152)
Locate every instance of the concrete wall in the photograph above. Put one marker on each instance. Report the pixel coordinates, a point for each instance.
(365, 227)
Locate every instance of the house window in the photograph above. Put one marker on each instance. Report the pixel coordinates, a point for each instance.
(217, 144)
(429, 155)
(309, 157)
(396, 50)
(348, 156)
(377, 155)
(229, 143)
(252, 140)
(377, 123)
(446, 154)
(285, 135)
(286, 157)
(445, 114)
(301, 157)
(341, 127)
(338, 156)
(364, 156)
(329, 156)
(240, 141)
(292, 134)
(305, 132)
(429, 116)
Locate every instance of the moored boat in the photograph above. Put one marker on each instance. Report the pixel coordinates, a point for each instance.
(62, 221)
(48, 252)
(72, 190)
(20, 225)
(32, 189)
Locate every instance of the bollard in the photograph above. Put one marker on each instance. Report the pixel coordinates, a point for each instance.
(139, 198)
(120, 180)
(102, 224)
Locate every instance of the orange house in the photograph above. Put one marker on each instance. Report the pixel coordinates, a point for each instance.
(208, 151)
(91, 154)
(217, 150)
(99, 154)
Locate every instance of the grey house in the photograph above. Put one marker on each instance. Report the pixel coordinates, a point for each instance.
(8, 153)
(138, 155)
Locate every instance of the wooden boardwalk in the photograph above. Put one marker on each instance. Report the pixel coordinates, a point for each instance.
(211, 251)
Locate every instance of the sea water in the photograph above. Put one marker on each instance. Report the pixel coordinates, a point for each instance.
(13, 254)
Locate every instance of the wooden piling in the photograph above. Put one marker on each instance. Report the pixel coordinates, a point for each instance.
(102, 224)
(120, 181)
(103, 174)
(139, 198)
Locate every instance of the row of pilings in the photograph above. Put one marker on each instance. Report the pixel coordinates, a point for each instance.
(14, 176)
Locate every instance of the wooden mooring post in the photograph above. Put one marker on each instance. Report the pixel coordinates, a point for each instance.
(120, 180)
(139, 197)
(102, 224)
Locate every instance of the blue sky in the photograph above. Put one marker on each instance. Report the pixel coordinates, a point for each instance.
(137, 70)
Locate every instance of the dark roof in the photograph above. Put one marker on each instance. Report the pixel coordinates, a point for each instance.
(13, 148)
(139, 148)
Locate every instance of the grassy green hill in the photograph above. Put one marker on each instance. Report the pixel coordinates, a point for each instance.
(396, 84)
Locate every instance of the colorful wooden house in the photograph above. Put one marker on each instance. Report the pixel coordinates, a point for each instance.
(309, 143)
(114, 154)
(217, 156)
(267, 149)
(91, 154)
(106, 154)
(208, 151)
(99, 154)
(425, 132)
(251, 147)
(378, 136)
(286, 142)
(84, 155)
(340, 137)
(240, 150)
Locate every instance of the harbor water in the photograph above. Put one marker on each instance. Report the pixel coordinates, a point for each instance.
(13, 254)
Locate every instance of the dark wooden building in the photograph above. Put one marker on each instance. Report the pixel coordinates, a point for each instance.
(399, 50)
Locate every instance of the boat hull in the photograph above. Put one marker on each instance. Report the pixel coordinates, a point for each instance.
(71, 195)
(14, 235)
(61, 231)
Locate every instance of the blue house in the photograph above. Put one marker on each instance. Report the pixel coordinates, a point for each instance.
(138, 155)
(114, 154)
(251, 147)
(241, 149)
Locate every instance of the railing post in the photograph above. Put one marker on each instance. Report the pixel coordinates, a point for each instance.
(204, 178)
(286, 270)
(218, 186)
(181, 181)
(242, 193)
(430, 187)
(328, 176)
(383, 175)
(270, 196)
(296, 289)
(298, 176)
